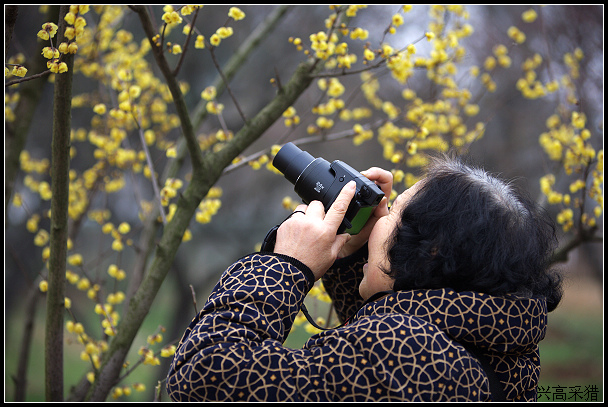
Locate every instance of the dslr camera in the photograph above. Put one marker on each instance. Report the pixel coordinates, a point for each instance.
(315, 179)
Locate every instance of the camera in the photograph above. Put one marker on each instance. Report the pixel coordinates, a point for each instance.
(315, 179)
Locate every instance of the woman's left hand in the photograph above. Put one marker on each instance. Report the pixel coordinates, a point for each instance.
(384, 179)
(310, 237)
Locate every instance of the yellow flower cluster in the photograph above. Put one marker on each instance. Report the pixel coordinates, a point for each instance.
(568, 143)
(19, 70)
(529, 85)
(291, 117)
(92, 349)
(118, 234)
(209, 206)
(148, 356)
(75, 29)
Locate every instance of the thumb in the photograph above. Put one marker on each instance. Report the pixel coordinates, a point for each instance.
(338, 209)
(340, 241)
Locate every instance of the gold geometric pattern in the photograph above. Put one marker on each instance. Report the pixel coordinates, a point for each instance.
(400, 347)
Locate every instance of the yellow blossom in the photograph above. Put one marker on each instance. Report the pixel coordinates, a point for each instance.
(75, 260)
(171, 17)
(83, 284)
(99, 108)
(48, 31)
(19, 71)
(200, 42)
(50, 52)
(224, 32)
(359, 33)
(124, 228)
(42, 238)
(168, 351)
(368, 55)
(397, 20)
(117, 245)
(215, 40)
(236, 13)
(529, 15)
(43, 286)
(516, 35)
(214, 107)
(171, 152)
(70, 18)
(209, 93)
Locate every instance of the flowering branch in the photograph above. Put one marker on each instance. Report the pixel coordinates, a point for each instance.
(27, 78)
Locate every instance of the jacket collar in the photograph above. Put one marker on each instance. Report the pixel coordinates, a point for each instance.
(503, 324)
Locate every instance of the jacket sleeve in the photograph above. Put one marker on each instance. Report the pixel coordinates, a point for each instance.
(342, 283)
(245, 320)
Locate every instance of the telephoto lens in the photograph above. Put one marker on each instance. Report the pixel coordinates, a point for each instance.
(317, 179)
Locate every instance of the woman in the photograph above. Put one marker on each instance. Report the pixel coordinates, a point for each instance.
(445, 298)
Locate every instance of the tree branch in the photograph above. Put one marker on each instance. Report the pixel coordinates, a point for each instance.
(62, 105)
(172, 236)
(236, 62)
(583, 236)
(178, 100)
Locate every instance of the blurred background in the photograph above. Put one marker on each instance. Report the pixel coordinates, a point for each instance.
(572, 352)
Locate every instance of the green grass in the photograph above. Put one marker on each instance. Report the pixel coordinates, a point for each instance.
(572, 357)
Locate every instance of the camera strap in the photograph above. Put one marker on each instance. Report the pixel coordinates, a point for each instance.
(271, 236)
(270, 240)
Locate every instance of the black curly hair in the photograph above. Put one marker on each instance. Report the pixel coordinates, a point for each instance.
(470, 231)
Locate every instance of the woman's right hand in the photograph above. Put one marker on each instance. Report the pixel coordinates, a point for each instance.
(384, 179)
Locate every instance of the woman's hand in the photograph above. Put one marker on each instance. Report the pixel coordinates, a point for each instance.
(311, 236)
(384, 179)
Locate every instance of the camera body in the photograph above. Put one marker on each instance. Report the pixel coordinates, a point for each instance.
(317, 179)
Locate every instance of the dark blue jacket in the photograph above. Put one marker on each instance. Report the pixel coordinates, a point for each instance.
(403, 346)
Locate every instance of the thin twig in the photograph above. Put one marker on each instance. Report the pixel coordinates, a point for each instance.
(155, 186)
(29, 78)
(219, 70)
(183, 55)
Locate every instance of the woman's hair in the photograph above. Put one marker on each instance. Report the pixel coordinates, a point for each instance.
(470, 231)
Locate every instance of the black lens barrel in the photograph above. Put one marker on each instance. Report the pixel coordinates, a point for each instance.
(292, 161)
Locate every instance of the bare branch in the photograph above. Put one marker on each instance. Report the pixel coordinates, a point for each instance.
(219, 69)
(62, 106)
(188, 38)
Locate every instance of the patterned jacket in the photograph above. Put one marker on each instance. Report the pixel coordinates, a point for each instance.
(403, 346)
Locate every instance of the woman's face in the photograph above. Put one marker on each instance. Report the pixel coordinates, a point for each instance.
(374, 279)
